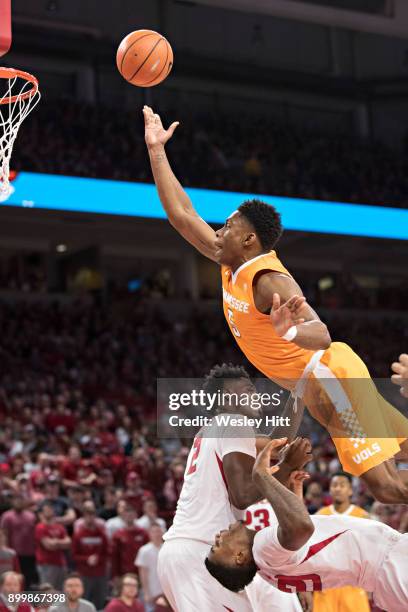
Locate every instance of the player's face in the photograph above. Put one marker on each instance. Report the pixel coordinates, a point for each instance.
(340, 489)
(243, 389)
(232, 546)
(230, 240)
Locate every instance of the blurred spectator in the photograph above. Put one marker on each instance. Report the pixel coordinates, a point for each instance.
(127, 600)
(109, 503)
(45, 587)
(150, 516)
(134, 493)
(90, 552)
(172, 487)
(146, 562)
(74, 590)
(51, 540)
(88, 509)
(314, 497)
(8, 557)
(19, 527)
(126, 543)
(10, 584)
(63, 513)
(117, 522)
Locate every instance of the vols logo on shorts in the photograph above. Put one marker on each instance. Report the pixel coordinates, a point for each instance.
(366, 453)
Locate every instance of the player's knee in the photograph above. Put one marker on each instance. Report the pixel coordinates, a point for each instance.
(390, 492)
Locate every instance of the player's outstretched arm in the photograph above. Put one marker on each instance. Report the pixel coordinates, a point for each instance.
(291, 316)
(295, 526)
(176, 202)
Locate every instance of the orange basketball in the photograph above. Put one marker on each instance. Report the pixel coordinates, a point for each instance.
(144, 58)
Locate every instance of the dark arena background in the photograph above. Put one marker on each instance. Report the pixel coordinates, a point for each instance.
(301, 102)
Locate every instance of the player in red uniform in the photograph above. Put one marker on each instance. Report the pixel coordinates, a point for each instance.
(311, 553)
(281, 334)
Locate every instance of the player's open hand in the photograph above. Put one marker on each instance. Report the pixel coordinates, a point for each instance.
(286, 315)
(297, 453)
(401, 374)
(262, 465)
(155, 134)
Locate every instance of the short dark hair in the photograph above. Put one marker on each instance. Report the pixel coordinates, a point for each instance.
(232, 578)
(72, 576)
(123, 578)
(265, 220)
(214, 381)
(344, 474)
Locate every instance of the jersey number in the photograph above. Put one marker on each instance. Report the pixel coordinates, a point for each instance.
(196, 451)
(299, 584)
(232, 323)
(262, 514)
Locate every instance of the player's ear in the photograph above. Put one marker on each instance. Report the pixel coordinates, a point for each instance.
(241, 557)
(249, 239)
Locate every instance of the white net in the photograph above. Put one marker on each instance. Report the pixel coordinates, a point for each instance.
(18, 97)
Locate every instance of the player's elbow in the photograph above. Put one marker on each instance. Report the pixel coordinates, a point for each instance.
(326, 338)
(298, 535)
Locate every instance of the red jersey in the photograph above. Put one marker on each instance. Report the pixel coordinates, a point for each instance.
(125, 545)
(117, 605)
(87, 542)
(49, 557)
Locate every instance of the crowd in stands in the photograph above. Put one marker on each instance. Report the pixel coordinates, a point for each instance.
(237, 152)
(86, 485)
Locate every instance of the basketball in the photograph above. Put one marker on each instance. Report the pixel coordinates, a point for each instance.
(144, 58)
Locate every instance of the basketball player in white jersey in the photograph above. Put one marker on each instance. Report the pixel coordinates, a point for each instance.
(312, 553)
(217, 489)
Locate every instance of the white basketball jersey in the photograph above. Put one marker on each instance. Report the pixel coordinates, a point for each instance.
(204, 508)
(260, 515)
(342, 551)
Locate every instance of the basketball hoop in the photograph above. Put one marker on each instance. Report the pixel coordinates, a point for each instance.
(19, 94)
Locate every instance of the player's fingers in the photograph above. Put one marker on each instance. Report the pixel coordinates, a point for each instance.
(273, 446)
(291, 301)
(397, 367)
(274, 469)
(298, 321)
(275, 301)
(398, 372)
(404, 359)
(299, 303)
(173, 127)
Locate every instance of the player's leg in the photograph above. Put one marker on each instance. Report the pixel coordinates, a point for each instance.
(365, 428)
(386, 483)
(188, 585)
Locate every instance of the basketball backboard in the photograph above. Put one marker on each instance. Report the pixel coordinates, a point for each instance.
(5, 26)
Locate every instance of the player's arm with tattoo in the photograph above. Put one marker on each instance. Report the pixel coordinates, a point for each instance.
(282, 297)
(295, 526)
(174, 199)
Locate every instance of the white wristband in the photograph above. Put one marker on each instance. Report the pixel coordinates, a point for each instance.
(291, 333)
